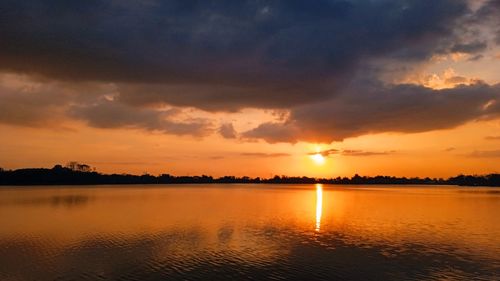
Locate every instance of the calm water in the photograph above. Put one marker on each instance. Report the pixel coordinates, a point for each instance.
(249, 232)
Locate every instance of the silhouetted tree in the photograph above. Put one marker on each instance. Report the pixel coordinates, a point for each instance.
(57, 167)
(79, 167)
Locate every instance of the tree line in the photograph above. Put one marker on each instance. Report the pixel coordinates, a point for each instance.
(75, 173)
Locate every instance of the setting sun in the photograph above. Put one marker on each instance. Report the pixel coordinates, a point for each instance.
(318, 158)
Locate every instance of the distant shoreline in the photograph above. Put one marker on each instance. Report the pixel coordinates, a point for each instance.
(81, 174)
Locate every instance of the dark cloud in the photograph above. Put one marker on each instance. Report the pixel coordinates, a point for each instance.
(469, 48)
(492, 138)
(381, 108)
(227, 55)
(217, 97)
(490, 13)
(273, 132)
(227, 131)
(26, 101)
(109, 114)
(222, 55)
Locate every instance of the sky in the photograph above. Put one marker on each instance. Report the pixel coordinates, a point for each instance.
(321, 88)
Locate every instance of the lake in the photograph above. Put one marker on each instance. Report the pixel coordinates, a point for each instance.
(249, 232)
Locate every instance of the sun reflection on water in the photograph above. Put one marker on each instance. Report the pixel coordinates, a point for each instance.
(319, 205)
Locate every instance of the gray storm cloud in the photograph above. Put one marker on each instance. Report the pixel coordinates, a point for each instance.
(402, 108)
(299, 56)
(108, 114)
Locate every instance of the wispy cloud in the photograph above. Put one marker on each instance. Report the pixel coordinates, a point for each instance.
(366, 153)
(485, 154)
(492, 138)
(326, 152)
(351, 152)
(125, 163)
(265, 155)
(217, 157)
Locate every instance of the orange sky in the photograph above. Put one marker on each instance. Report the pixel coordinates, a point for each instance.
(436, 154)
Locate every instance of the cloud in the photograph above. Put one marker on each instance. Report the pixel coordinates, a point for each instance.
(485, 154)
(111, 114)
(446, 80)
(227, 131)
(265, 155)
(351, 152)
(456, 80)
(492, 138)
(219, 97)
(126, 163)
(217, 157)
(469, 48)
(325, 153)
(366, 153)
(32, 102)
(489, 13)
(26, 109)
(223, 55)
(273, 132)
(381, 108)
(475, 57)
(322, 62)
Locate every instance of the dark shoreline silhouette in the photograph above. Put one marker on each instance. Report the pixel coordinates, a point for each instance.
(82, 174)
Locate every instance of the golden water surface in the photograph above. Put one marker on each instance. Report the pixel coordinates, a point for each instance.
(249, 232)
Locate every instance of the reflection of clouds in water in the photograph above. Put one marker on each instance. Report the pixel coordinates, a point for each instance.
(186, 254)
(69, 201)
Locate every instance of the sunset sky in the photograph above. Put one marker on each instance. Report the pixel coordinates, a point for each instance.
(260, 88)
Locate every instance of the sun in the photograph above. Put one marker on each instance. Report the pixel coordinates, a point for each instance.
(318, 159)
